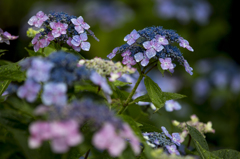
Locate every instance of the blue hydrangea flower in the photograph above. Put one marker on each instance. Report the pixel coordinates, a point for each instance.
(29, 90)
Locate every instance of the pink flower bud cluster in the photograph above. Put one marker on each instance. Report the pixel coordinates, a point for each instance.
(108, 139)
(62, 134)
(60, 28)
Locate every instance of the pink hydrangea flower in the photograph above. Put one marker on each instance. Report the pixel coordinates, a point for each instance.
(171, 105)
(166, 63)
(5, 37)
(80, 25)
(38, 19)
(113, 53)
(58, 28)
(49, 38)
(54, 93)
(152, 48)
(76, 48)
(126, 53)
(132, 37)
(128, 60)
(185, 44)
(188, 68)
(161, 40)
(38, 43)
(107, 138)
(80, 41)
(141, 57)
(172, 149)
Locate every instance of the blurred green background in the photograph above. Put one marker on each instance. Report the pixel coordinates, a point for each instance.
(213, 37)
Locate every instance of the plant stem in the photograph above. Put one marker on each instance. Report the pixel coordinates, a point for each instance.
(86, 156)
(131, 94)
(189, 141)
(150, 69)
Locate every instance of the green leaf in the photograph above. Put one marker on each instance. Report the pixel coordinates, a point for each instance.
(197, 136)
(3, 86)
(120, 83)
(227, 153)
(143, 98)
(169, 96)
(204, 154)
(11, 72)
(33, 53)
(154, 92)
(149, 128)
(160, 68)
(2, 50)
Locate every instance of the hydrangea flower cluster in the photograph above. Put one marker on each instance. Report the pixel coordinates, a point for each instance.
(157, 140)
(185, 10)
(106, 68)
(194, 122)
(63, 134)
(112, 134)
(6, 36)
(57, 71)
(60, 28)
(153, 43)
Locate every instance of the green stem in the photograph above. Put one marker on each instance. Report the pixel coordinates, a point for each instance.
(131, 94)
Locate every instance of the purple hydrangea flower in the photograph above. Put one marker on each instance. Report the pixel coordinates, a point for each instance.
(185, 44)
(188, 68)
(176, 138)
(5, 37)
(80, 25)
(128, 60)
(161, 40)
(113, 53)
(126, 53)
(172, 149)
(76, 48)
(38, 43)
(171, 105)
(166, 63)
(49, 38)
(152, 48)
(132, 37)
(54, 93)
(100, 81)
(58, 28)
(141, 57)
(38, 19)
(40, 70)
(166, 132)
(80, 41)
(29, 90)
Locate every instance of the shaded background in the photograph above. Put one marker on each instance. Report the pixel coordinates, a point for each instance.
(209, 26)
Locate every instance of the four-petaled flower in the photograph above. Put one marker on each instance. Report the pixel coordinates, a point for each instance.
(141, 57)
(76, 48)
(80, 41)
(166, 63)
(38, 43)
(161, 40)
(126, 53)
(172, 149)
(171, 105)
(58, 28)
(152, 48)
(128, 60)
(132, 37)
(176, 138)
(113, 53)
(38, 19)
(185, 44)
(80, 25)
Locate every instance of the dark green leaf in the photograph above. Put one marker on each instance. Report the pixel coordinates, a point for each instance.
(11, 72)
(169, 96)
(33, 53)
(120, 83)
(160, 68)
(197, 136)
(144, 98)
(3, 86)
(2, 50)
(204, 154)
(149, 128)
(154, 92)
(227, 153)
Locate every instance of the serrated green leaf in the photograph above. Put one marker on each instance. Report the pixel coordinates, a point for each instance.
(149, 128)
(227, 153)
(120, 83)
(3, 86)
(11, 72)
(197, 136)
(204, 154)
(170, 96)
(154, 92)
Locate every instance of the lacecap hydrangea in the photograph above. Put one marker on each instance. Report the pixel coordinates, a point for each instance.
(153, 43)
(60, 28)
